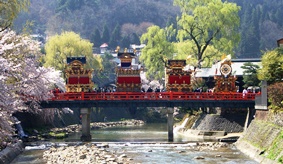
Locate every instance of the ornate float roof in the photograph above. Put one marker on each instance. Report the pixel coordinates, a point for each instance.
(176, 63)
(126, 55)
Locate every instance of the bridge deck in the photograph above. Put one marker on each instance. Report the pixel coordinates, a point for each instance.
(154, 99)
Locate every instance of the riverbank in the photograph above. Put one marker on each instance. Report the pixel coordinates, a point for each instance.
(263, 140)
(129, 151)
(13, 150)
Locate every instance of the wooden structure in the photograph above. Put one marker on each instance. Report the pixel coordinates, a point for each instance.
(280, 42)
(177, 79)
(225, 82)
(78, 79)
(128, 78)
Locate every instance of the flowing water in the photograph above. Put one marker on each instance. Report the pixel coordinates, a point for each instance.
(148, 144)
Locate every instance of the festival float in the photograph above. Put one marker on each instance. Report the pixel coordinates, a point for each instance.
(178, 79)
(78, 79)
(128, 77)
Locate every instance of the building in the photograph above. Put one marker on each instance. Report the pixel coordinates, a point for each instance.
(280, 42)
(103, 48)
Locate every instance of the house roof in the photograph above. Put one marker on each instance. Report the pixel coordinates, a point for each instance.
(104, 45)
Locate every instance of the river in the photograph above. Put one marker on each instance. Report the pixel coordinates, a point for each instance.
(148, 144)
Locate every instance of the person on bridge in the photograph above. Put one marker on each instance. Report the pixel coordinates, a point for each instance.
(244, 92)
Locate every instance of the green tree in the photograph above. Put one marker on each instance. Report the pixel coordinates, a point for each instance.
(69, 44)
(272, 66)
(115, 37)
(184, 50)
(275, 96)
(9, 10)
(125, 42)
(105, 38)
(135, 39)
(106, 76)
(208, 22)
(156, 52)
(250, 74)
(96, 38)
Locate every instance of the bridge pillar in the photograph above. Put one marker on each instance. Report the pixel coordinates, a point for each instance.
(170, 112)
(85, 113)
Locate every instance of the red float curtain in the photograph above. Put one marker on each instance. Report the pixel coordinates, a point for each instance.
(73, 80)
(179, 79)
(84, 80)
(78, 80)
(129, 80)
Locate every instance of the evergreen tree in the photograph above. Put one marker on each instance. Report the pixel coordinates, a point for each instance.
(250, 42)
(105, 38)
(96, 38)
(125, 42)
(135, 39)
(250, 74)
(115, 37)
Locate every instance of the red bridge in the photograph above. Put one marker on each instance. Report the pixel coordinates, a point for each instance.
(85, 100)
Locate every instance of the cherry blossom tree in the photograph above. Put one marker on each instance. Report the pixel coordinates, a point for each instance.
(22, 79)
(152, 85)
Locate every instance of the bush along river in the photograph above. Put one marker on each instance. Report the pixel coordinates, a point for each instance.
(134, 143)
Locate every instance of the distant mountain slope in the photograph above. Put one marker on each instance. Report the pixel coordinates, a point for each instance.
(261, 20)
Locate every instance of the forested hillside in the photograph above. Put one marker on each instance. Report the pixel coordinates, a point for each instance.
(122, 22)
(261, 25)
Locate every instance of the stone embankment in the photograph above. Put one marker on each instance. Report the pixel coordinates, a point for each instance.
(213, 127)
(11, 152)
(263, 140)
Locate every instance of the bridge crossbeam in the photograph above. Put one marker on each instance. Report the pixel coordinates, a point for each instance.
(158, 99)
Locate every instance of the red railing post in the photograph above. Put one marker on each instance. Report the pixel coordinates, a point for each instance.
(83, 96)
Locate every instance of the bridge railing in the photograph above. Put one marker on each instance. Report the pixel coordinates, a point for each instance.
(153, 96)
